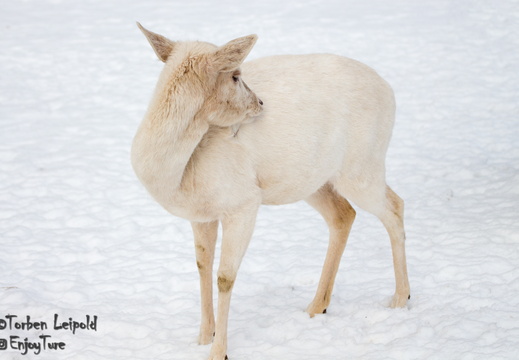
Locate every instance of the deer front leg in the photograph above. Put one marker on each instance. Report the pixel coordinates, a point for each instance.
(237, 231)
(205, 239)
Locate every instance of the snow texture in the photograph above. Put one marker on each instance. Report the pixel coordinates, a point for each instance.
(80, 236)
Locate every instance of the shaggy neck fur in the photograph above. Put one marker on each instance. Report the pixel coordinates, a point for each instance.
(171, 129)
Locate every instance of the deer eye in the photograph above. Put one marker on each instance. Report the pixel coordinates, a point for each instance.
(235, 78)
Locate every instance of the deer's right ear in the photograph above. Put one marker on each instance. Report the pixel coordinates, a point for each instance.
(230, 56)
(161, 45)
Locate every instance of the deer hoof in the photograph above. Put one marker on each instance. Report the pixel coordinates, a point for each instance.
(399, 301)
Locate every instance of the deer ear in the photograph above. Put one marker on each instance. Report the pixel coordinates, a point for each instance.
(161, 45)
(230, 56)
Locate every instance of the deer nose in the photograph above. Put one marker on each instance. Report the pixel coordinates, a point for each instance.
(260, 102)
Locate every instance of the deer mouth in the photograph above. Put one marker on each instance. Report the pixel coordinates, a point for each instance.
(256, 110)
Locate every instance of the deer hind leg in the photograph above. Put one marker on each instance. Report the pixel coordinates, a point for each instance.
(205, 239)
(393, 220)
(378, 199)
(339, 216)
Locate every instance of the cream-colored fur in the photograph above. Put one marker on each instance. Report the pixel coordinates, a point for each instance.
(211, 150)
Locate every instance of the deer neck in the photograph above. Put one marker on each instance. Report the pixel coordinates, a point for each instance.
(166, 140)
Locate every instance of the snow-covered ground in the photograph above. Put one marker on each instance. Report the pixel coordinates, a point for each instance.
(80, 236)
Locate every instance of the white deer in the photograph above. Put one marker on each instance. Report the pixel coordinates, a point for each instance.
(209, 150)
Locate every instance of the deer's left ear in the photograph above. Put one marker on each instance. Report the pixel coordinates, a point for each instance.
(230, 56)
(162, 46)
